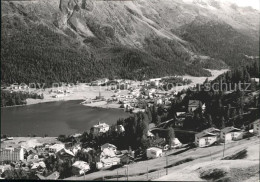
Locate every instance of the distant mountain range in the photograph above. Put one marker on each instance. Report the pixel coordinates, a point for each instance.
(82, 40)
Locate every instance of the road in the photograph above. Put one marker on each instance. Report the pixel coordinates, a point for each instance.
(138, 171)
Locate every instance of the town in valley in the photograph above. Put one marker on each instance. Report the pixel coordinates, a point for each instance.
(172, 124)
(130, 90)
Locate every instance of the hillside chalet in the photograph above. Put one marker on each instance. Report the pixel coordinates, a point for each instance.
(229, 134)
(207, 137)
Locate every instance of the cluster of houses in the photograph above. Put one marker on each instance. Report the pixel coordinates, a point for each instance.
(137, 99)
(34, 160)
(226, 135)
(139, 93)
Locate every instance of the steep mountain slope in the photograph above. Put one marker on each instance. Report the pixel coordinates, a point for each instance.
(80, 40)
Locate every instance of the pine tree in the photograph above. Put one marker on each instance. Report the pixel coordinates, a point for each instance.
(210, 122)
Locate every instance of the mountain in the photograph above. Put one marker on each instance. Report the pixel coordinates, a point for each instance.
(81, 40)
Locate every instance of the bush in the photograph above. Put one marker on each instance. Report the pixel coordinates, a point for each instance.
(248, 135)
(213, 174)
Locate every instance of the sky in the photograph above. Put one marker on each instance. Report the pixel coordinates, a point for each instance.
(252, 3)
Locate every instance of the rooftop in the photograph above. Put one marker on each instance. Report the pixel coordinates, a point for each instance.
(101, 125)
(230, 129)
(155, 149)
(81, 165)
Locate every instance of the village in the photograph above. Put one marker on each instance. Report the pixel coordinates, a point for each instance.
(36, 159)
(163, 121)
(84, 159)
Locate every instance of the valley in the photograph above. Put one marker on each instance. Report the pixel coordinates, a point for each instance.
(138, 90)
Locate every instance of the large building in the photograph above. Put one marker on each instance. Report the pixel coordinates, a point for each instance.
(11, 154)
(100, 128)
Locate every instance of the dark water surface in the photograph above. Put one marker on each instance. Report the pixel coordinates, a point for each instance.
(55, 118)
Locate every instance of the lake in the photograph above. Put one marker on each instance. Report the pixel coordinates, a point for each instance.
(55, 118)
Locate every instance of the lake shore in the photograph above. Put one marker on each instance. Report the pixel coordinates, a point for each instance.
(83, 92)
(55, 118)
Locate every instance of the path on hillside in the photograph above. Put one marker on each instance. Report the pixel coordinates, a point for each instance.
(199, 154)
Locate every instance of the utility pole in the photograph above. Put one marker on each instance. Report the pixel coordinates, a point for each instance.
(147, 174)
(125, 175)
(117, 175)
(224, 147)
(127, 172)
(166, 164)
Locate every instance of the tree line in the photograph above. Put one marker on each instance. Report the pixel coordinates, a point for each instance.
(17, 98)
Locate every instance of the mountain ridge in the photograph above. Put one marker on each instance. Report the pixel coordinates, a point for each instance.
(143, 29)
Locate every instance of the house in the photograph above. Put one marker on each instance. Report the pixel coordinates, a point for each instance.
(153, 152)
(155, 79)
(99, 82)
(256, 127)
(106, 163)
(11, 154)
(175, 144)
(107, 153)
(178, 114)
(203, 108)
(32, 157)
(229, 134)
(4, 168)
(58, 96)
(80, 167)
(38, 165)
(193, 105)
(255, 79)
(100, 128)
(53, 176)
(56, 147)
(76, 135)
(119, 128)
(108, 146)
(207, 137)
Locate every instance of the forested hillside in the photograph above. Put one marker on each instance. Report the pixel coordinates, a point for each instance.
(68, 41)
(219, 40)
